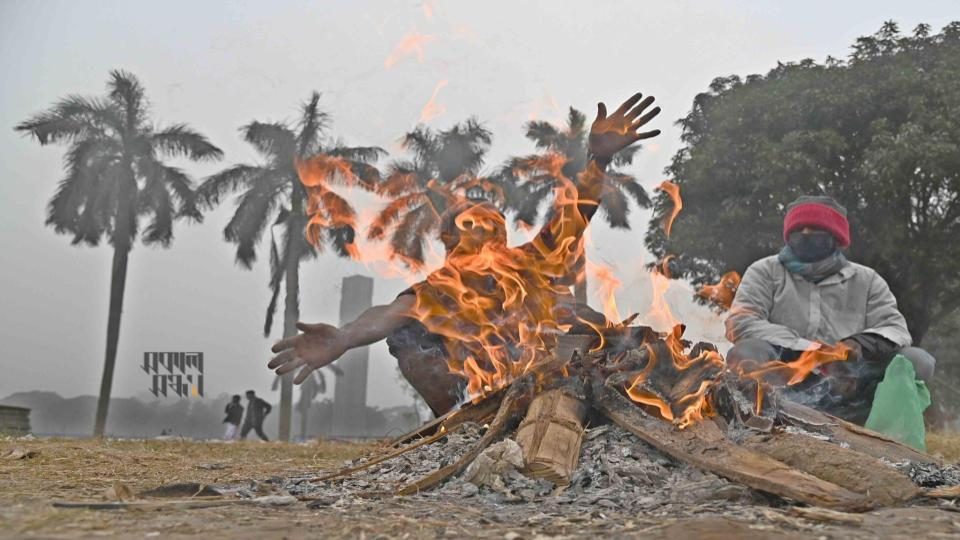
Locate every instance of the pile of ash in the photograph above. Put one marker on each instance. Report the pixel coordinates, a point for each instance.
(616, 471)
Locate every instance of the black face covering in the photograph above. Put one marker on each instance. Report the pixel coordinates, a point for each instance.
(812, 246)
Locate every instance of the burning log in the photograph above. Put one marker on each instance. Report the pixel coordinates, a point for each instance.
(703, 445)
(684, 404)
(551, 434)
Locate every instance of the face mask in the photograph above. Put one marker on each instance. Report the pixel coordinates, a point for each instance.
(813, 246)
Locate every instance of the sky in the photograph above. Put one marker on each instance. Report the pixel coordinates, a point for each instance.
(217, 65)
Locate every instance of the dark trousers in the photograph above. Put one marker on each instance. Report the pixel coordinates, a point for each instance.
(844, 389)
(255, 426)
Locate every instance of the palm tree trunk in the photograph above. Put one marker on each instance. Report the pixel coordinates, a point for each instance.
(291, 311)
(291, 314)
(303, 422)
(118, 280)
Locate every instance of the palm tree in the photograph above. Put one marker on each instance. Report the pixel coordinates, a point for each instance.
(532, 179)
(273, 195)
(114, 176)
(420, 188)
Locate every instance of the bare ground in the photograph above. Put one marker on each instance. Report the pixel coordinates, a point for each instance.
(91, 470)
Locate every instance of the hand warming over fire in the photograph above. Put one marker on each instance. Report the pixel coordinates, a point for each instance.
(611, 134)
(321, 344)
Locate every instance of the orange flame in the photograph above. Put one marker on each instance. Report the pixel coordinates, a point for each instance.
(325, 208)
(673, 191)
(608, 286)
(411, 44)
(695, 406)
(791, 373)
(660, 315)
(723, 292)
(505, 299)
(432, 109)
(646, 397)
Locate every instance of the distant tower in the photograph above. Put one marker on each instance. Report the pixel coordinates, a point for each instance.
(350, 394)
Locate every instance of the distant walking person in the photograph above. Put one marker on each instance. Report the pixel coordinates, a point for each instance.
(234, 416)
(257, 410)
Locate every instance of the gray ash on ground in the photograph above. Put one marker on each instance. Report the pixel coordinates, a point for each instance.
(622, 487)
(929, 475)
(616, 472)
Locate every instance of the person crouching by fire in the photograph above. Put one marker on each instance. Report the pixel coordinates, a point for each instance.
(810, 297)
(491, 310)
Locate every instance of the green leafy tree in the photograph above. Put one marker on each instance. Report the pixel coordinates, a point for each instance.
(420, 188)
(273, 196)
(879, 132)
(532, 181)
(115, 179)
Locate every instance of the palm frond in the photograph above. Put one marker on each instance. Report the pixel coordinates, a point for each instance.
(616, 208)
(422, 141)
(391, 213)
(629, 184)
(362, 154)
(576, 123)
(527, 209)
(543, 134)
(313, 122)
(126, 91)
(400, 182)
(180, 140)
(273, 140)
(73, 118)
(226, 181)
(625, 157)
(155, 199)
(254, 209)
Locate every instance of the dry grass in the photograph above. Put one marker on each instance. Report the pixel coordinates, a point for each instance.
(946, 444)
(85, 468)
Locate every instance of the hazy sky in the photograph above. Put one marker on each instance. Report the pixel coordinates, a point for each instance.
(218, 65)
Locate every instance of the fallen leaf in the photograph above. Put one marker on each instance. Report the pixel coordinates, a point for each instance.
(20, 453)
(119, 492)
(212, 466)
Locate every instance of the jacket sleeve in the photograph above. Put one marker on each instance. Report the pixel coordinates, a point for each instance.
(883, 317)
(750, 313)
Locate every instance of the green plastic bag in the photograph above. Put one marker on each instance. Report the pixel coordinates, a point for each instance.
(898, 405)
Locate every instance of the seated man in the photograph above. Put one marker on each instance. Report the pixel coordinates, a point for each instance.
(435, 328)
(810, 295)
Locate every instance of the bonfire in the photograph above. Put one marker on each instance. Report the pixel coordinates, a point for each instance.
(540, 383)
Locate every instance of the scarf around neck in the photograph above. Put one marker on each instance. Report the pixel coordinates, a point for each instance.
(815, 271)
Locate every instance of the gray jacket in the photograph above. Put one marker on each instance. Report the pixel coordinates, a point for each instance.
(784, 309)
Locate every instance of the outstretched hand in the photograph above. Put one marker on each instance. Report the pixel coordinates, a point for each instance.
(318, 345)
(611, 134)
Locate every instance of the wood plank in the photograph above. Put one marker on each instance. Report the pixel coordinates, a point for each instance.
(857, 472)
(857, 437)
(704, 446)
(551, 434)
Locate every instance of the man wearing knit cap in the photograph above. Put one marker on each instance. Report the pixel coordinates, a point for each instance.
(809, 295)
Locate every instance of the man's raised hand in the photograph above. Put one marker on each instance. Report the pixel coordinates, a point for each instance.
(611, 134)
(318, 345)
